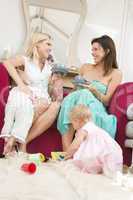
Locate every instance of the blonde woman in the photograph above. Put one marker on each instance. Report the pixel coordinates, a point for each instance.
(30, 99)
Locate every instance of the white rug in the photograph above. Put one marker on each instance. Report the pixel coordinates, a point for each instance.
(55, 181)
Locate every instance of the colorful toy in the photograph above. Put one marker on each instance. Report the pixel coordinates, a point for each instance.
(57, 155)
(38, 158)
(29, 168)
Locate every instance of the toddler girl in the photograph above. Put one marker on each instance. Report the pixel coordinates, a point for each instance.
(93, 150)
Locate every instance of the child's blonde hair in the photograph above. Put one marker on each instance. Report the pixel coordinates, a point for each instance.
(81, 112)
(36, 38)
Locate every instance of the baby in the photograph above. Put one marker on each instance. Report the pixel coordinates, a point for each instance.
(93, 150)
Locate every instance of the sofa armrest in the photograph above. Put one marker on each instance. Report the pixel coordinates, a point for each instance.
(122, 97)
(4, 91)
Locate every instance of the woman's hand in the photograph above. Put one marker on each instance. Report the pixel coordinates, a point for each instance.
(56, 91)
(40, 105)
(56, 77)
(95, 92)
(92, 89)
(26, 90)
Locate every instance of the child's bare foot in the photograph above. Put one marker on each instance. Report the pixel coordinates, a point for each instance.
(9, 145)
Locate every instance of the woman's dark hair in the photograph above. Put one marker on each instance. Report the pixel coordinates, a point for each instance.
(108, 45)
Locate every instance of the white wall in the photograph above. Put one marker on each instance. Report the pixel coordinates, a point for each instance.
(66, 21)
(114, 18)
(103, 18)
(126, 55)
(12, 25)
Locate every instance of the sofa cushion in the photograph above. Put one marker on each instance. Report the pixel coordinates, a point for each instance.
(130, 112)
(129, 129)
(129, 143)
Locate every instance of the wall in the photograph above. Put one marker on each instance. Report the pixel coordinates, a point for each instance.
(126, 55)
(102, 18)
(12, 34)
(114, 18)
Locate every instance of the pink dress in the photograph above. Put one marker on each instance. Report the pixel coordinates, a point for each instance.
(98, 153)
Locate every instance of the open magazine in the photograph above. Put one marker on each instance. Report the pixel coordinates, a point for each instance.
(60, 69)
(80, 81)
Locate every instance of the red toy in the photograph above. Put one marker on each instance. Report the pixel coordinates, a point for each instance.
(29, 168)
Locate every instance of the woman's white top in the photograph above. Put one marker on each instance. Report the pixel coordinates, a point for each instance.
(38, 79)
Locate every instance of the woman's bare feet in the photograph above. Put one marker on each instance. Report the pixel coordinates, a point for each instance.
(9, 145)
(23, 147)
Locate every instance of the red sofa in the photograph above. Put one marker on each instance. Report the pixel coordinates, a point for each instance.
(51, 140)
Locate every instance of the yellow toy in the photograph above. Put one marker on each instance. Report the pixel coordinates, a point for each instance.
(38, 158)
(59, 155)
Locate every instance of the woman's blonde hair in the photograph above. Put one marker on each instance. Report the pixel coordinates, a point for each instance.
(81, 112)
(36, 38)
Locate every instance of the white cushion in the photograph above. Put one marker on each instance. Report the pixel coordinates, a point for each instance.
(130, 112)
(129, 129)
(129, 143)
